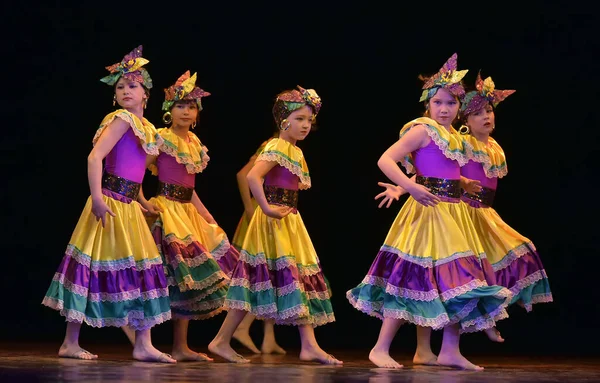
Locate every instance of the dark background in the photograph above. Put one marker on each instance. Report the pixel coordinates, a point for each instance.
(363, 59)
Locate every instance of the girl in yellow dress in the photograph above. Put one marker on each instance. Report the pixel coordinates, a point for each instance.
(196, 252)
(111, 273)
(279, 275)
(515, 262)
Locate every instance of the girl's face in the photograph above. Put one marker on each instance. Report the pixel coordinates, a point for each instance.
(482, 121)
(130, 94)
(184, 113)
(443, 107)
(300, 123)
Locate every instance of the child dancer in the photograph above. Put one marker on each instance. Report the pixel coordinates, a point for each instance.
(514, 259)
(112, 274)
(189, 240)
(279, 275)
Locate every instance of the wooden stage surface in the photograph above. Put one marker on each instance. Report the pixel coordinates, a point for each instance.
(37, 362)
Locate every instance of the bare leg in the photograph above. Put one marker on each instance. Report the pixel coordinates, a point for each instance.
(181, 351)
(130, 334)
(269, 344)
(220, 345)
(311, 351)
(242, 333)
(380, 354)
(450, 353)
(144, 351)
(424, 355)
(70, 347)
(494, 335)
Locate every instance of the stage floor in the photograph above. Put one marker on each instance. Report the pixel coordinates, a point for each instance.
(32, 362)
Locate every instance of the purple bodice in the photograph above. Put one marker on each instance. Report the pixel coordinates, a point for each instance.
(282, 178)
(171, 172)
(127, 159)
(474, 170)
(431, 162)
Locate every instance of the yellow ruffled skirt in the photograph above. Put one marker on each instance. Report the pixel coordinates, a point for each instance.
(111, 275)
(513, 257)
(279, 275)
(429, 271)
(197, 258)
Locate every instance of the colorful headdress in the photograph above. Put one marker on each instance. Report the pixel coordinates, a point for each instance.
(448, 78)
(184, 89)
(130, 68)
(485, 93)
(287, 102)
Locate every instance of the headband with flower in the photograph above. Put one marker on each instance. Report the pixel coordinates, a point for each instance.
(290, 101)
(484, 95)
(184, 89)
(130, 68)
(448, 78)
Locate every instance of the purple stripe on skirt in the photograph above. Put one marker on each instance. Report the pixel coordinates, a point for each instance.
(279, 278)
(402, 273)
(229, 260)
(458, 273)
(519, 269)
(113, 281)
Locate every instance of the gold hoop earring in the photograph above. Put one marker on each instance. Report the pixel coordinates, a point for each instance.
(167, 118)
(193, 124)
(114, 99)
(286, 123)
(145, 103)
(464, 130)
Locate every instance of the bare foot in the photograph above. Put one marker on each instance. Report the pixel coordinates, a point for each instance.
(242, 335)
(383, 359)
(318, 355)
(225, 351)
(188, 355)
(271, 347)
(425, 359)
(151, 354)
(494, 335)
(75, 352)
(457, 361)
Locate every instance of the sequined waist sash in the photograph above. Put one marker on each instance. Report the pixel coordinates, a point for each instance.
(485, 198)
(176, 192)
(449, 190)
(280, 196)
(120, 185)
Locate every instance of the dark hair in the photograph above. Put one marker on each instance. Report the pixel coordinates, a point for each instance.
(146, 90)
(187, 102)
(278, 106)
(457, 119)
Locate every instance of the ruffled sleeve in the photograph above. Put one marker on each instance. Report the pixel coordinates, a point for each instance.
(451, 146)
(191, 152)
(490, 156)
(143, 129)
(288, 156)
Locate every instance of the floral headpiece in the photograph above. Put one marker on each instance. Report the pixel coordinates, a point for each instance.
(485, 93)
(448, 78)
(184, 89)
(290, 101)
(130, 68)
